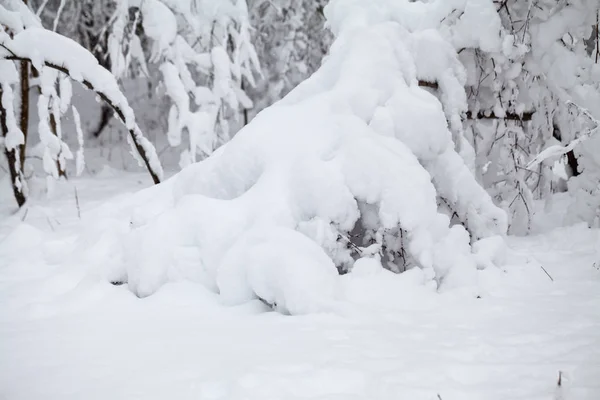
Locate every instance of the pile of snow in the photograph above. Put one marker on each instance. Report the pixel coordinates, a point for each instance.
(358, 148)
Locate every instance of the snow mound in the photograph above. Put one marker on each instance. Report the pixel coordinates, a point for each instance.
(358, 155)
(281, 267)
(370, 285)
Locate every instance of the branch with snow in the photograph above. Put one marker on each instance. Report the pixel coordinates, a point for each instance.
(557, 151)
(43, 48)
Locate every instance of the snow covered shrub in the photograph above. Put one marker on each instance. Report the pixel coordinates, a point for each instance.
(22, 39)
(205, 56)
(357, 161)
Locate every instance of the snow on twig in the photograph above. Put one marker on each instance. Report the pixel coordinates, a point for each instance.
(556, 151)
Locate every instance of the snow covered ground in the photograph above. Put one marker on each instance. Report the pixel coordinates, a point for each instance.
(66, 333)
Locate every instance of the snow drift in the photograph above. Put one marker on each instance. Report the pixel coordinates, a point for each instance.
(353, 163)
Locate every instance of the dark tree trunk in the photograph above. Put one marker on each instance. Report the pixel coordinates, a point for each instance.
(573, 164)
(24, 110)
(14, 163)
(571, 159)
(53, 127)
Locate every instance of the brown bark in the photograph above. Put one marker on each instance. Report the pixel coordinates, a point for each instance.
(526, 116)
(432, 85)
(482, 115)
(573, 163)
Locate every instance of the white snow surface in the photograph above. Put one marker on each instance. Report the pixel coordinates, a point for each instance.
(221, 283)
(67, 333)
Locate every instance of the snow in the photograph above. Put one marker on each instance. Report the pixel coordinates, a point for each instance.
(317, 173)
(14, 136)
(271, 269)
(281, 267)
(359, 135)
(79, 157)
(159, 24)
(67, 333)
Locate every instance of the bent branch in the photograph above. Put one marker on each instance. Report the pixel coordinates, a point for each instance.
(134, 132)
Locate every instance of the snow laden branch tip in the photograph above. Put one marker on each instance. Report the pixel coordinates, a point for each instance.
(557, 151)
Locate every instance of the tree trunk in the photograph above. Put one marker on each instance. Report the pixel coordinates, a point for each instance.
(14, 163)
(54, 121)
(24, 109)
(53, 128)
(573, 164)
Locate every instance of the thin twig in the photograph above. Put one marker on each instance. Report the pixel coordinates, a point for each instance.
(50, 223)
(351, 245)
(549, 276)
(559, 383)
(25, 215)
(77, 203)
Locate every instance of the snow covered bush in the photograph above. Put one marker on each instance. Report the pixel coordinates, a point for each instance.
(22, 39)
(358, 161)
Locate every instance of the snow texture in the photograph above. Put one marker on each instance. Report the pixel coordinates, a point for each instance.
(67, 333)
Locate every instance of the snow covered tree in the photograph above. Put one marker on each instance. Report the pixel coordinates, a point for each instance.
(23, 40)
(291, 41)
(528, 95)
(88, 25)
(205, 56)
